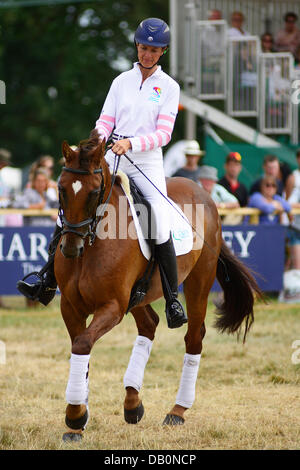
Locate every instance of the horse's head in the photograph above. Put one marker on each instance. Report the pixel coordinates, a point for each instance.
(81, 186)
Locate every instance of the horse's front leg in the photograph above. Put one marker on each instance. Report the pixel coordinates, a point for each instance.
(104, 319)
(146, 321)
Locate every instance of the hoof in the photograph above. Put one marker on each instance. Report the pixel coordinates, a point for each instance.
(72, 437)
(173, 420)
(135, 415)
(78, 423)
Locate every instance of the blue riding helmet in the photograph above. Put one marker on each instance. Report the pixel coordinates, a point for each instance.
(153, 32)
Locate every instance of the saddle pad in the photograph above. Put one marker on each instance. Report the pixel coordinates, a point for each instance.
(181, 230)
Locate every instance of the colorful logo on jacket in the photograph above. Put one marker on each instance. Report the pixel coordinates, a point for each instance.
(155, 94)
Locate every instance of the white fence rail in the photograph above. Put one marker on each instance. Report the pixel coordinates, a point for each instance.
(211, 59)
(275, 85)
(252, 84)
(243, 79)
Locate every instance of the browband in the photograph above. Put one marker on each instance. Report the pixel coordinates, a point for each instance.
(81, 172)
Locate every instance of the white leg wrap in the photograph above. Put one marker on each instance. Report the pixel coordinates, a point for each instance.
(77, 389)
(186, 393)
(139, 357)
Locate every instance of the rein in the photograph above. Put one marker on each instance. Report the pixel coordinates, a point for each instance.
(91, 222)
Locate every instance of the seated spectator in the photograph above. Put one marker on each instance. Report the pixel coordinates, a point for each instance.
(214, 15)
(193, 154)
(271, 167)
(46, 162)
(288, 179)
(294, 233)
(237, 29)
(267, 43)
(5, 157)
(269, 203)
(288, 38)
(233, 167)
(296, 173)
(38, 197)
(208, 177)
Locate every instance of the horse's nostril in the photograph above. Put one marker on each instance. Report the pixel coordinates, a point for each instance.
(81, 251)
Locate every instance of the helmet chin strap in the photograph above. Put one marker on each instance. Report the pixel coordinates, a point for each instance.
(148, 68)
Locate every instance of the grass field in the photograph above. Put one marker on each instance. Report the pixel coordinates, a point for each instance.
(247, 395)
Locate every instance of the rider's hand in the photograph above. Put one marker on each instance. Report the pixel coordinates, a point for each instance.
(121, 146)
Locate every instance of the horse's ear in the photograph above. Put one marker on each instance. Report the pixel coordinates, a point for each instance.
(103, 143)
(67, 152)
(99, 153)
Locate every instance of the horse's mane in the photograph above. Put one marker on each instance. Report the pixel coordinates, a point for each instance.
(86, 148)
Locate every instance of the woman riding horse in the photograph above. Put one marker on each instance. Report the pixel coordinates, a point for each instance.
(140, 110)
(92, 281)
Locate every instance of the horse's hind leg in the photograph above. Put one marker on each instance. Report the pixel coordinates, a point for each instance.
(196, 288)
(146, 321)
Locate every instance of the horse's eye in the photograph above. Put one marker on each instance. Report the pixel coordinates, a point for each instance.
(92, 201)
(62, 194)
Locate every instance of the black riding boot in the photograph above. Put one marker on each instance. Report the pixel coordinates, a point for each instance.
(166, 257)
(44, 288)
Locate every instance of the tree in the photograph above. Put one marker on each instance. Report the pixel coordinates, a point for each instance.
(58, 62)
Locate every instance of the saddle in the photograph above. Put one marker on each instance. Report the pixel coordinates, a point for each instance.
(141, 287)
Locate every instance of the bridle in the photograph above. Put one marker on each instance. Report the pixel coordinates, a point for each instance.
(91, 222)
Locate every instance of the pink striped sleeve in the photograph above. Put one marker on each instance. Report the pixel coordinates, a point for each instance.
(165, 117)
(143, 144)
(165, 128)
(105, 117)
(151, 140)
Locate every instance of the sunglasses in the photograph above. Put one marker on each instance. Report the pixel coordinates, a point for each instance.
(270, 185)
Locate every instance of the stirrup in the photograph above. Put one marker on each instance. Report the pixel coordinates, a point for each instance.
(23, 286)
(175, 313)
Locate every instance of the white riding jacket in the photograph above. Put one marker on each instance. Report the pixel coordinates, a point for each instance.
(145, 112)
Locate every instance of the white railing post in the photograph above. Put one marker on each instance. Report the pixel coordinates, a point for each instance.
(243, 76)
(211, 59)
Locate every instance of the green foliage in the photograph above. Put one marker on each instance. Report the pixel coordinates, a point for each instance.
(58, 62)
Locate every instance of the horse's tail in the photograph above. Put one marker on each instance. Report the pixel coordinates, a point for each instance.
(240, 289)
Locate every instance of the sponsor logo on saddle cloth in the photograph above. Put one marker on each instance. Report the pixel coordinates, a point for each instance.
(181, 230)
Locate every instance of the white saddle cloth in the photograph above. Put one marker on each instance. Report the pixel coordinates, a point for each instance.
(181, 230)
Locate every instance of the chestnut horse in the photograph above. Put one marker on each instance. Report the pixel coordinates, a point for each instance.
(96, 276)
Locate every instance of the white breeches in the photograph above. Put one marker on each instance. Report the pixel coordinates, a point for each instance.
(151, 163)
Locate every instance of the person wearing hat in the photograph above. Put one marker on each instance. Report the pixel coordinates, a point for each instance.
(193, 153)
(233, 166)
(208, 177)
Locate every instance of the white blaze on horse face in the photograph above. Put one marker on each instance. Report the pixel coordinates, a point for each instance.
(76, 187)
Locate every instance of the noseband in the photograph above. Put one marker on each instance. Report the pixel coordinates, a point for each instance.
(91, 223)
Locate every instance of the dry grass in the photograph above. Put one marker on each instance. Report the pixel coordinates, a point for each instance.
(247, 396)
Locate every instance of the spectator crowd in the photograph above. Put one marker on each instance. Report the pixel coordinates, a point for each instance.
(275, 193)
(40, 192)
(287, 39)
